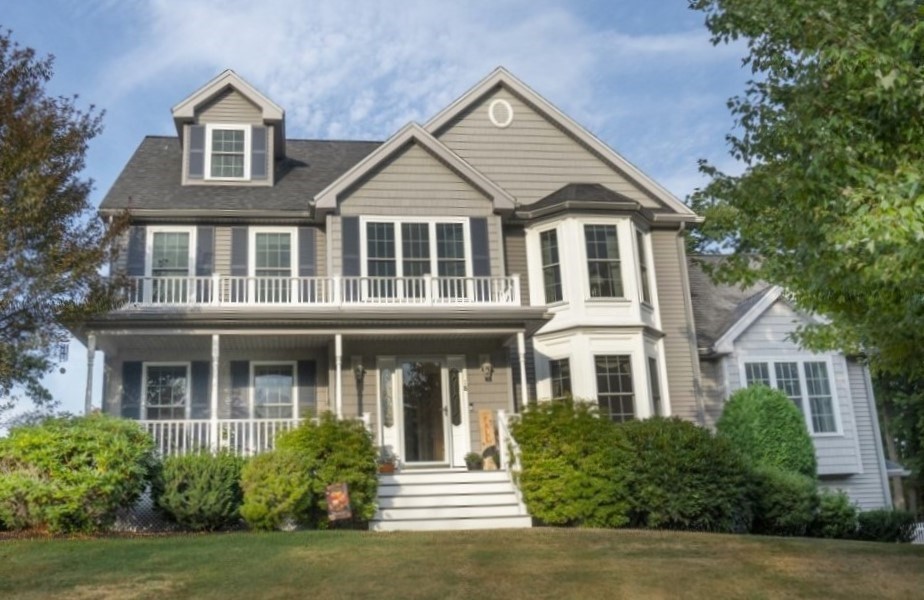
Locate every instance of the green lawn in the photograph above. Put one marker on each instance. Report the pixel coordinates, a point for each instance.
(538, 563)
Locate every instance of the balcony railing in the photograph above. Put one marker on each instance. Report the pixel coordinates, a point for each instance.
(322, 291)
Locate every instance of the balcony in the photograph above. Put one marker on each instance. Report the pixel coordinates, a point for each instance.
(225, 291)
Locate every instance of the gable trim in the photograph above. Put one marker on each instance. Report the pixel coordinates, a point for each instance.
(502, 77)
(326, 199)
(725, 344)
(185, 110)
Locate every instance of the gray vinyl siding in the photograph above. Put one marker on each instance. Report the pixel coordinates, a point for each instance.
(415, 184)
(710, 373)
(223, 250)
(531, 158)
(865, 489)
(515, 257)
(676, 323)
(767, 337)
(230, 107)
(320, 238)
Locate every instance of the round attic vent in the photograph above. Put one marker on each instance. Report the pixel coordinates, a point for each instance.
(501, 113)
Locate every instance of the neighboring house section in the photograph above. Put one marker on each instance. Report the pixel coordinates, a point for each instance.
(745, 338)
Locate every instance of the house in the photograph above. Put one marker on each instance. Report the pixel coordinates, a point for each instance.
(745, 338)
(429, 285)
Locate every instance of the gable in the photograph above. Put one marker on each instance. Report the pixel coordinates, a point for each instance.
(414, 182)
(769, 333)
(229, 106)
(531, 157)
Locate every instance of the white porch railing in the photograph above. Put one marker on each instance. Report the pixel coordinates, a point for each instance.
(242, 437)
(510, 455)
(219, 290)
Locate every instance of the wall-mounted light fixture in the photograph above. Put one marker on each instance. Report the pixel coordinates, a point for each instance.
(487, 367)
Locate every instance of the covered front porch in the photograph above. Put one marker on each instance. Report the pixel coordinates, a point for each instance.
(419, 390)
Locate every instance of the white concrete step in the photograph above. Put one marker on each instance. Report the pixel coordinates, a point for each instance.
(444, 489)
(412, 477)
(521, 522)
(404, 501)
(447, 512)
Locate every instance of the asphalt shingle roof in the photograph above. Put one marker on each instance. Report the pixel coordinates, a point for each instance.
(151, 179)
(579, 192)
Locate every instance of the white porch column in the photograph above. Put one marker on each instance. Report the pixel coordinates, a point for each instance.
(91, 356)
(521, 350)
(338, 361)
(213, 404)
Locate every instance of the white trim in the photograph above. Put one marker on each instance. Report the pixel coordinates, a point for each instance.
(327, 198)
(186, 108)
(149, 245)
(253, 385)
(645, 247)
(726, 343)
(252, 247)
(800, 358)
(493, 117)
(540, 274)
(399, 247)
(211, 127)
(624, 282)
(144, 386)
(877, 436)
(501, 76)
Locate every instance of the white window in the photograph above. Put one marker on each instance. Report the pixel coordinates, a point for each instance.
(227, 152)
(654, 386)
(643, 271)
(273, 263)
(603, 263)
(560, 377)
(170, 262)
(412, 249)
(273, 390)
(809, 387)
(166, 391)
(615, 393)
(551, 266)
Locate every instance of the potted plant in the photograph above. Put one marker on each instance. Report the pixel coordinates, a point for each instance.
(387, 461)
(473, 461)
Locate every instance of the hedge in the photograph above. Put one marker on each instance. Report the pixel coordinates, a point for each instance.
(200, 491)
(277, 490)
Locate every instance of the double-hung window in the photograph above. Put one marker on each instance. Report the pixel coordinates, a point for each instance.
(551, 266)
(273, 390)
(171, 262)
(227, 151)
(273, 264)
(603, 264)
(166, 391)
(400, 255)
(654, 385)
(807, 383)
(643, 275)
(560, 377)
(615, 394)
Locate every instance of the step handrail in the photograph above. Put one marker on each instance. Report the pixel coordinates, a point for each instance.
(510, 456)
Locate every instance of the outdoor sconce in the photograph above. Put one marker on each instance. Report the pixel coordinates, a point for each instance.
(359, 371)
(487, 369)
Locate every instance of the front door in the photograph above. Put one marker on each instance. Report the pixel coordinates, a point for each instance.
(429, 399)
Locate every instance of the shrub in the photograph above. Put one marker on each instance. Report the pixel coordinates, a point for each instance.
(784, 502)
(200, 491)
(341, 451)
(683, 477)
(768, 429)
(574, 465)
(836, 516)
(886, 525)
(72, 473)
(277, 490)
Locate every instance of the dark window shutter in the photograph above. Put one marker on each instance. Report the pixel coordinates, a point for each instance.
(239, 251)
(196, 152)
(307, 255)
(205, 251)
(481, 257)
(258, 167)
(131, 390)
(240, 384)
(351, 266)
(307, 389)
(201, 398)
(137, 238)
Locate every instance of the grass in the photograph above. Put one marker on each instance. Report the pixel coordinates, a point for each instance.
(537, 563)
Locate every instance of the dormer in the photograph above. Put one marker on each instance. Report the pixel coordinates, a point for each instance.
(230, 133)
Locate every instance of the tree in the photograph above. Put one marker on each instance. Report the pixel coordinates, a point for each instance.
(830, 132)
(51, 244)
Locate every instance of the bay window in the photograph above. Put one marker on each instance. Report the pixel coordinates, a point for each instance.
(551, 266)
(603, 263)
(615, 394)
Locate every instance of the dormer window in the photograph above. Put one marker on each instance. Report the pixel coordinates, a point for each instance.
(226, 151)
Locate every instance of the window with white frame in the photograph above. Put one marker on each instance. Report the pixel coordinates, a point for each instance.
(170, 263)
(273, 261)
(603, 263)
(227, 151)
(560, 377)
(807, 383)
(615, 394)
(643, 274)
(654, 385)
(551, 266)
(411, 250)
(166, 391)
(273, 390)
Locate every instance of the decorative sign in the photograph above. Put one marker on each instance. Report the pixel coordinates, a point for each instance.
(486, 422)
(338, 502)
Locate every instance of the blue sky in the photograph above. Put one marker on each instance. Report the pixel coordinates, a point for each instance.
(641, 75)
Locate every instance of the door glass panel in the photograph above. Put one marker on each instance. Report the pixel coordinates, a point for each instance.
(455, 398)
(424, 436)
